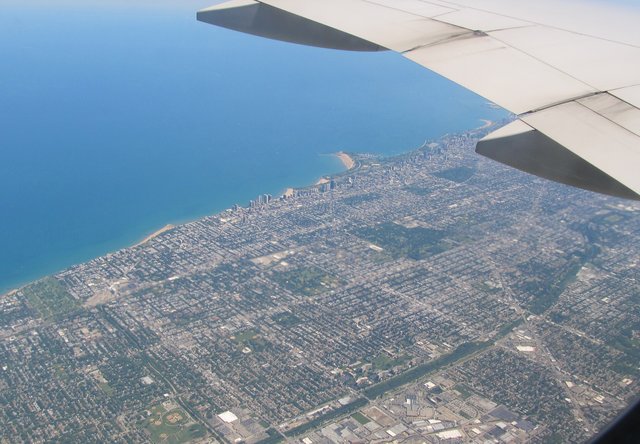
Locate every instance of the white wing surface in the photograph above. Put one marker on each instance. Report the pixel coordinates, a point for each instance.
(569, 69)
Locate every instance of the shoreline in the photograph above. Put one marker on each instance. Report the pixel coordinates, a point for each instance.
(346, 160)
(153, 235)
(486, 124)
(10, 292)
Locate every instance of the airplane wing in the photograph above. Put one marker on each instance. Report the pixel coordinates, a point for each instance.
(569, 70)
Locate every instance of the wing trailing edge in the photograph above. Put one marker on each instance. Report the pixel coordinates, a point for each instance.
(577, 96)
(263, 20)
(520, 146)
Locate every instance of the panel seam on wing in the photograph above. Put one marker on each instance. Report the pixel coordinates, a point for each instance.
(541, 24)
(457, 37)
(537, 59)
(604, 116)
(382, 5)
(562, 102)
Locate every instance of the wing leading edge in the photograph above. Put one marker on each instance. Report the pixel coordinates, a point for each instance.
(577, 95)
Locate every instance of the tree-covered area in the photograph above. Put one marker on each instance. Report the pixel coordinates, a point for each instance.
(525, 387)
(50, 299)
(333, 414)
(305, 281)
(459, 174)
(419, 371)
(546, 282)
(414, 243)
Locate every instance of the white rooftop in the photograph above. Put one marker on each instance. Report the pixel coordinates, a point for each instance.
(228, 416)
(450, 434)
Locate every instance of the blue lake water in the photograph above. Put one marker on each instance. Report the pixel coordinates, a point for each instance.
(117, 119)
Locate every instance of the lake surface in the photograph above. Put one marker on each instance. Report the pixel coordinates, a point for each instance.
(116, 119)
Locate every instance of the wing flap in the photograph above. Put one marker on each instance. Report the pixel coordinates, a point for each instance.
(617, 111)
(523, 147)
(610, 147)
(631, 95)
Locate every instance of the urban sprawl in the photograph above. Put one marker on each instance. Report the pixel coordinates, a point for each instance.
(430, 297)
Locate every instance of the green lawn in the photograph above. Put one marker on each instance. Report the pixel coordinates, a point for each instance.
(105, 387)
(464, 391)
(251, 338)
(385, 362)
(60, 372)
(358, 416)
(286, 319)
(172, 427)
(245, 336)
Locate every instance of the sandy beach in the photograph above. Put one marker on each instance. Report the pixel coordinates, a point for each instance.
(10, 293)
(346, 160)
(486, 124)
(155, 234)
